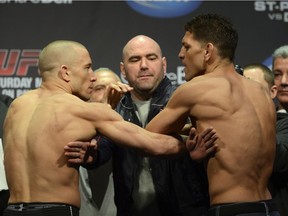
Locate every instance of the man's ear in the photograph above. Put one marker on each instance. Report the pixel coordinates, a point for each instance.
(164, 63)
(122, 70)
(65, 73)
(208, 50)
(273, 91)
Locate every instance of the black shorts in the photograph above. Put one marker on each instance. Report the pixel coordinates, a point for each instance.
(265, 207)
(4, 197)
(41, 209)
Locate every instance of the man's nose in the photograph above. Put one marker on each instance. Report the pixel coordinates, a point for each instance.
(180, 54)
(143, 63)
(284, 79)
(93, 78)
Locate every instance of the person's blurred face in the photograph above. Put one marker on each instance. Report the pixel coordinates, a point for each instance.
(143, 65)
(192, 56)
(82, 76)
(280, 69)
(257, 75)
(103, 80)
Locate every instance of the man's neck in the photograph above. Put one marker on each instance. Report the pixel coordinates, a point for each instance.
(140, 97)
(56, 86)
(219, 65)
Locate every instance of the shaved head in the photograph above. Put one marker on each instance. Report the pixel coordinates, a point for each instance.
(106, 72)
(139, 41)
(58, 53)
(143, 65)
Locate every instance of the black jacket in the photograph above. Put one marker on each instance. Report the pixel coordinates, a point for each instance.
(180, 184)
(5, 102)
(278, 184)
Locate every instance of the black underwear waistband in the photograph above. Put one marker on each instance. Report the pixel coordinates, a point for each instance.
(241, 208)
(36, 206)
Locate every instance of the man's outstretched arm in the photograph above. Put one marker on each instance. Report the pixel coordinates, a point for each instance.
(200, 146)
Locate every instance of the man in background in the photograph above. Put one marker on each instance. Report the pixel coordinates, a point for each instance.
(104, 78)
(151, 185)
(279, 179)
(262, 74)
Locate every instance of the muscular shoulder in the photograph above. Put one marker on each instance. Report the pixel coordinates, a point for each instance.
(198, 89)
(22, 101)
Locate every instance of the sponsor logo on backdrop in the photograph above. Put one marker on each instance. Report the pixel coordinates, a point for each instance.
(275, 10)
(18, 71)
(164, 8)
(177, 78)
(37, 1)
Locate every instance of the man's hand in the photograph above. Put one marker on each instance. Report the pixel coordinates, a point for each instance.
(202, 145)
(115, 92)
(81, 152)
(186, 129)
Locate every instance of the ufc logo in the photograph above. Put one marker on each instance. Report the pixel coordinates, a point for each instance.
(17, 62)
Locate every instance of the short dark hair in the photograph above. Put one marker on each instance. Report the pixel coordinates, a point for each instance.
(216, 29)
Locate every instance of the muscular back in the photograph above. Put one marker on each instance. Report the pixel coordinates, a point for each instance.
(244, 117)
(38, 126)
(34, 143)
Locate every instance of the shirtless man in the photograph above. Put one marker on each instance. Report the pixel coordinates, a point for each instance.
(240, 110)
(40, 122)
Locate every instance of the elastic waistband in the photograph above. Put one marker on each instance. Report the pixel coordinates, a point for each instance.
(35, 206)
(243, 207)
